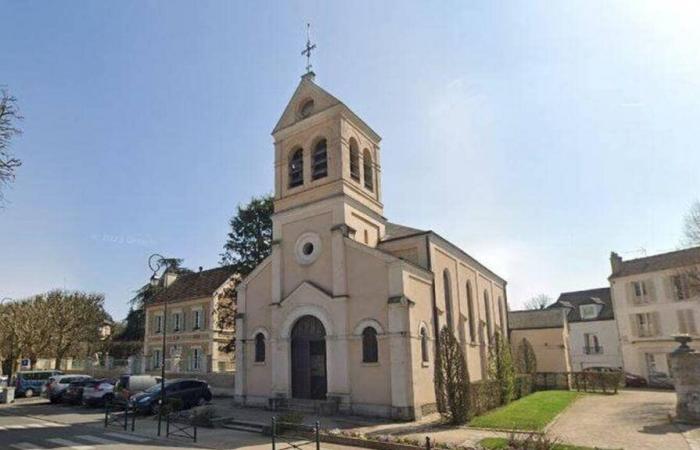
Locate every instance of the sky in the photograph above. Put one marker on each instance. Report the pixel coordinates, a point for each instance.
(538, 136)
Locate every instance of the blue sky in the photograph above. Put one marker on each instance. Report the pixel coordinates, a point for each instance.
(538, 136)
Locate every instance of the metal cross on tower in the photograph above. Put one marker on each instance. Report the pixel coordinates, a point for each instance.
(309, 46)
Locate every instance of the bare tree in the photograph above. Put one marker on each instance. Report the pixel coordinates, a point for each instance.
(687, 281)
(692, 225)
(539, 302)
(9, 116)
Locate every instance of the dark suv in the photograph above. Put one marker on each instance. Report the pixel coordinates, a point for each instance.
(189, 392)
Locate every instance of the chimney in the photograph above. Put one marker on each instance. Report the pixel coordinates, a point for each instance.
(615, 262)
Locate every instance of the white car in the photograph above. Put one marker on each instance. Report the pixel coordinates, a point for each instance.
(98, 392)
(58, 385)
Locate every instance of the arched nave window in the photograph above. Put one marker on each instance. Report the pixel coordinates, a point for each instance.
(370, 346)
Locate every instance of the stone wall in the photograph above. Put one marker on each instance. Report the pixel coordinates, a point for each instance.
(685, 367)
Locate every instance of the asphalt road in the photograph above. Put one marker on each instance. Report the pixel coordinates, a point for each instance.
(27, 425)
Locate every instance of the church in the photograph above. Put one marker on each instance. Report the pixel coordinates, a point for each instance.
(344, 313)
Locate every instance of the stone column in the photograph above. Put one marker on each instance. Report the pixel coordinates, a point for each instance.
(685, 366)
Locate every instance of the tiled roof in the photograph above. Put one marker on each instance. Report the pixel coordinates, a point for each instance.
(535, 319)
(572, 300)
(663, 261)
(195, 285)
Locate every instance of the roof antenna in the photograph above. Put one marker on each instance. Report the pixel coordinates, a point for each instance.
(307, 51)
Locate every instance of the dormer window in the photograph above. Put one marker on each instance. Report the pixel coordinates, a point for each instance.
(296, 168)
(319, 168)
(588, 311)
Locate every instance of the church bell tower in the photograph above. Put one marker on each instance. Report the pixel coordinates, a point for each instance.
(327, 159)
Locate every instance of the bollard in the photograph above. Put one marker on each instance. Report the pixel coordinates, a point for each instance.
(126, 417)
(133, 419)
(106, 413)
(318, 435)
(167, 425)
(427, 443)
(195, 434)
(274, 430)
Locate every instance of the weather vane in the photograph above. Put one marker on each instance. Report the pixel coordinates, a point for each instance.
(309, 46)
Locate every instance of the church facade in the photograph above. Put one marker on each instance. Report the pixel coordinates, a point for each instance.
(345, 311)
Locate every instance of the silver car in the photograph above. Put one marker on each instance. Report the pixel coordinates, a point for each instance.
(58, 385)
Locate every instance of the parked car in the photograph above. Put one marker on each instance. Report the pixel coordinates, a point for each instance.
(660, 380)
(128, 385)
(190, 392)
(33, 382)
(58, 385)
(74, 393)
(98, 392)
(632, 380)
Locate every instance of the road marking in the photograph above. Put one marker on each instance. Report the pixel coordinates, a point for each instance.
(97, 439)
(27, 446)
(15, 427)
(128, 437)
(70, 444)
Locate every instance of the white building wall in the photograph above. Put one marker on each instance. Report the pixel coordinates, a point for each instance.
(608, 340)
(664, 309)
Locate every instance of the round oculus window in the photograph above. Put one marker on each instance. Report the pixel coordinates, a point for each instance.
(307, 248)
(306, 108)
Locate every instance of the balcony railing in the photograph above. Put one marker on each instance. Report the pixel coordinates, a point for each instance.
(593, 350)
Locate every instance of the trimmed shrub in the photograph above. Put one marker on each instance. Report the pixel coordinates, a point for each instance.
(452, 384)
(523, 386)
(484, 395)
(525, 358)
(501, 368)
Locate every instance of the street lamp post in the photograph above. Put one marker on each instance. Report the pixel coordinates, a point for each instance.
(155, 263)
(12, 344)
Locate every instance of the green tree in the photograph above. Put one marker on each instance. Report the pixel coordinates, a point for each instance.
(9, 116)
(250, 238)
(501, 367)
(249, 242)
(525, 358)
(452, 383)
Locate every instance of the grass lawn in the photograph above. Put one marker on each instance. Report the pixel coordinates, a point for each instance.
(531, 413)
(502, 443)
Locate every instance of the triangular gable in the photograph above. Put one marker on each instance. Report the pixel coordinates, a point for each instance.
(307, 292)
(306, 89)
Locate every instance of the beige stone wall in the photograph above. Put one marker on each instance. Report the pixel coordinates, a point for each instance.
(550, 346)
(206, 338)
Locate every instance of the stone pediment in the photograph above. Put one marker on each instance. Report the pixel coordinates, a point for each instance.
(305, 92)
(307, 292)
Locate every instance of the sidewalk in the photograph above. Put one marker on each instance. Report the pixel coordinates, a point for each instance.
(428, 426)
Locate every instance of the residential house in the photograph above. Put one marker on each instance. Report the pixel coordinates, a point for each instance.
(193, 339)
(593, 337)
(547, 331)
(654, 299)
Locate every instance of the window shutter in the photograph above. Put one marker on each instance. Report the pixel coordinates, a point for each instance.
(657, 323)
(629, 287)
(682, 324)
(669, 291)
(634, 328)
(651, 289)
(690, 318)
